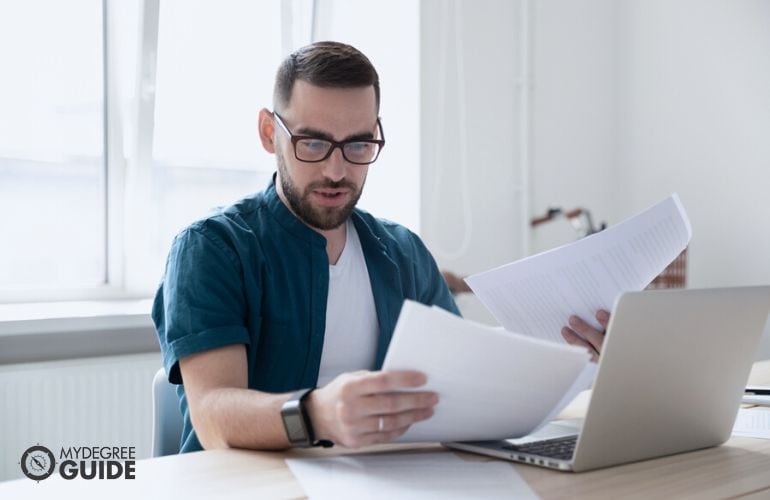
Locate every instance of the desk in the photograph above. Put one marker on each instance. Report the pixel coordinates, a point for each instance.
(740, 467)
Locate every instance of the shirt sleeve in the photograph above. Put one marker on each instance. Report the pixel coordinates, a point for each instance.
(201, 303)
(431, 285)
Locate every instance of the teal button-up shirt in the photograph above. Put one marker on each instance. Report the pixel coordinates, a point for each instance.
(254, 274)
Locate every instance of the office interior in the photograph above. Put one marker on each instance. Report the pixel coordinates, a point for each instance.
(121, 121)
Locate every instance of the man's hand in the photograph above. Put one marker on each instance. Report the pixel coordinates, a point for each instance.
(581, 333)
(362, 408)
(455, 283)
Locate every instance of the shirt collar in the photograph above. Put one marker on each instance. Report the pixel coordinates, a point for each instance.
(292, 224)
(288, 220)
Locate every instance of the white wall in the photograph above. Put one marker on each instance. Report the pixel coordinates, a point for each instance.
(631, 100)
(574, 119)
(637, 99)
(473, 216)
(694, 117)
(393, 184)
(641, 98)
(469, 132)
(471, 210)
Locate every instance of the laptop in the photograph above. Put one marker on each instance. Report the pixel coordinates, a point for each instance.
(670, 379)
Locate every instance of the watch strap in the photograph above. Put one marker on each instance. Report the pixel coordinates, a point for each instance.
(296, 421)
(325, 443)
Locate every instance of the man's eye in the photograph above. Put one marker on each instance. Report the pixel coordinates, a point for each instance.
(358, 147)
(313, 145)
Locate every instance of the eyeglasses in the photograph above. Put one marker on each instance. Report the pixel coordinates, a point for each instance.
(314, 149)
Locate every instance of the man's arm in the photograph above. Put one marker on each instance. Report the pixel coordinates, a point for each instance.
(223, 411)
(347, 411)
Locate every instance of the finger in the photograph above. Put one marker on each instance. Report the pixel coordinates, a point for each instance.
(387, 381)
(396, 402)
(603, 317)
(386, 437)
(380, 437)
(390, 433)
(396, 421)
(589, 333)
(573, 338)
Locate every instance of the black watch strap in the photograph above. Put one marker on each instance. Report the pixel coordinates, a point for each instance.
(296, 421)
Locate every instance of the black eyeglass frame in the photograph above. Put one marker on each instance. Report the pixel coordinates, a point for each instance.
(334, 144)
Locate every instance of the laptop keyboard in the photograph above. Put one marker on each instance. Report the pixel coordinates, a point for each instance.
(561, 448)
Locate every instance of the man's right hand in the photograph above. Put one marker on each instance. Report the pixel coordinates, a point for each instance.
(362, 408)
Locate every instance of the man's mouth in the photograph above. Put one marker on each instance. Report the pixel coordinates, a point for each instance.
(331, 197)
(331, 193)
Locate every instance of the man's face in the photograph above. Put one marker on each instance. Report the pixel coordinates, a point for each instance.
(324, 194)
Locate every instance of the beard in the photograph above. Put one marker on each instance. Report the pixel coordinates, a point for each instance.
(323, 218)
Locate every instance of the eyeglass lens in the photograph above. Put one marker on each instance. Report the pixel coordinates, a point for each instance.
(354, 152)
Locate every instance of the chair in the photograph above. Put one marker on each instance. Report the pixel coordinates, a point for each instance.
(166, 418)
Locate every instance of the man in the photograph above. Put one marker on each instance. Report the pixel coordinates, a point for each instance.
(295, 288)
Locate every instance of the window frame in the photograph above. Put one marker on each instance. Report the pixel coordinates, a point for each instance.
(127, 166)
(111, 268)
(128, 140)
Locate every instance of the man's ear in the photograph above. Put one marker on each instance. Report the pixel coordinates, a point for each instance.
(266, 129)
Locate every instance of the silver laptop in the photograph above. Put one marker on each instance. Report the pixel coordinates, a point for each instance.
(671, 375)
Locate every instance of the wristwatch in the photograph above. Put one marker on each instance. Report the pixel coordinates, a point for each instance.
(297, 423)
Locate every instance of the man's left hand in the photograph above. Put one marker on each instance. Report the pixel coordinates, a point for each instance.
(581, 333)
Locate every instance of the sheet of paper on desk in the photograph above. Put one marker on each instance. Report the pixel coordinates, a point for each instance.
(492, 384)
(406, 476)
(752, 422)
(537, 294)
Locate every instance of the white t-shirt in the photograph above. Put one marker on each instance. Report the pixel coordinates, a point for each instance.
(350, 341)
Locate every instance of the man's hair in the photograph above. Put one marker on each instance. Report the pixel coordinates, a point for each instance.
(325, 64)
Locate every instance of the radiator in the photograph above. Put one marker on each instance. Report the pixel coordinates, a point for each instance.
(103, 401)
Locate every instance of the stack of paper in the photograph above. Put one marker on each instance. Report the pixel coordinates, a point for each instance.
(752, 422)
(492, 383)
(496, 384)
(536, 295)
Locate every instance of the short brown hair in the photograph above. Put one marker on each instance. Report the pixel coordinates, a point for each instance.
(325, 64)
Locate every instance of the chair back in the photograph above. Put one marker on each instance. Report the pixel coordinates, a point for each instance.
(166, 418)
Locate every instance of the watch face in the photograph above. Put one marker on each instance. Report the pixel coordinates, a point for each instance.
(294, 427)
(37, 463)
(294, 421)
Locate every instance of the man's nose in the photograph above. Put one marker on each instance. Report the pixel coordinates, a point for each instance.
(335, 166)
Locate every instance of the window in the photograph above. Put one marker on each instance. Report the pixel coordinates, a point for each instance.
(216, 62)
(52, 176)
(122, 121)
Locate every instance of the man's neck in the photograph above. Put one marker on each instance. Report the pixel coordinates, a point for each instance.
(335, 242)
(335, 238)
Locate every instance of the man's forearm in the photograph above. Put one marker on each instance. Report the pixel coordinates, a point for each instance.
(240, 418)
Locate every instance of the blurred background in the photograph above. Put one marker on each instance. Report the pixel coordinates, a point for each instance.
(121, 121)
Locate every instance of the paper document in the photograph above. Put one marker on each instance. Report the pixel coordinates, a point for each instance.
(749, 399)
(406, 476)
(753, 422)
(492, 384)
(536, 295)
(498, 383)
(583, 381)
